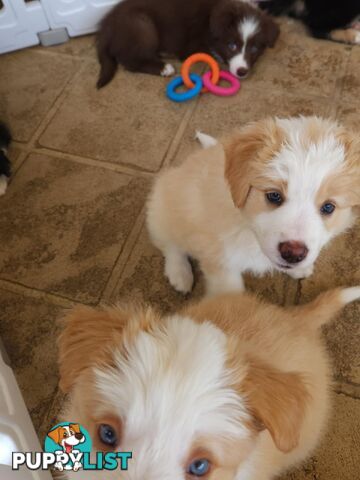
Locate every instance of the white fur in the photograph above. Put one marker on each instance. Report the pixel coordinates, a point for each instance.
(205, 140)
(168, 70)
(350, 294)
(247, 28)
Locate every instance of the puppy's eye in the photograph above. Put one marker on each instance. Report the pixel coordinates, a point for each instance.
(65, 435)
(275, 198)
(107, 435)
(327, 208)
(199, 467)
(254, 49)
(232, 46)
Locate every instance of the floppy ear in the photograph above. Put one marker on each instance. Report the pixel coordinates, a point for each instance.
(222, 18)
(348, 182)
(55, 435)
(245, 155)
(278, 401)
(271, 30)
(75, 427)
(90, 336)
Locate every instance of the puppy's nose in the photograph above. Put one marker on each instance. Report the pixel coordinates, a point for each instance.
(292, 251)
(242, 72)
(79, 436)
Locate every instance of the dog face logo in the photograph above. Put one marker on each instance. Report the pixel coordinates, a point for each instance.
(69, 441)
(67, 437)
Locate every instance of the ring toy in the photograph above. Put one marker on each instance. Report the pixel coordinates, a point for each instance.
(200, 57)
(222, 91)
(183, 96)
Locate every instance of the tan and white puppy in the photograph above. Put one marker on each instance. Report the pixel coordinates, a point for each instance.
(268, 198)
(67, 437)
(230, 388)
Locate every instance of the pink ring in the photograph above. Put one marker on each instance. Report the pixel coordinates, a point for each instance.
(222, 91)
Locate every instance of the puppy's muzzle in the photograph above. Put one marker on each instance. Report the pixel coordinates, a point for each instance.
(293, 251)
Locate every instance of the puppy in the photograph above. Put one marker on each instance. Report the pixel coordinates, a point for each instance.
(136, 32)
(5, 166)
(230, 388)
(328, 19)
(267, 199)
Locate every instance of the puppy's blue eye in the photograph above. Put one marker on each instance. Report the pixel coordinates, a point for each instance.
(232, 46)
(327, 208)
(274, 198)
(107, 435)
(199, 467)
(254, 49)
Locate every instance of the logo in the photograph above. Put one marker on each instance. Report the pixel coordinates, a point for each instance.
(67, 447)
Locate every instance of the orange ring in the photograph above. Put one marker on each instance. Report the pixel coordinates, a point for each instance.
(200, 57)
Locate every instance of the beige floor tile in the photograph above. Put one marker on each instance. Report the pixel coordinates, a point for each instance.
(64, 224)
(337, 456)
(348, 114)
(298, 63)
(77, 47)
(30, 82)
(219, 116)
(339, 266)
(28, 330)
(129, 122)
(351, 85)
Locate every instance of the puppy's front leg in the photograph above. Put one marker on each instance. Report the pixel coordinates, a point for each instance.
(220, 280)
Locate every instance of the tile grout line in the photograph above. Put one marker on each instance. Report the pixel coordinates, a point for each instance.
(123, 258)
(30, 292)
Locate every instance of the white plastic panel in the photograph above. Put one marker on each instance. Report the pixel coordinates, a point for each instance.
(16, 430)
(19, 24)
(77, 16)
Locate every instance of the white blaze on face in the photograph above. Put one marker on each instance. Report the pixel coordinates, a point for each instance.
(247, 28)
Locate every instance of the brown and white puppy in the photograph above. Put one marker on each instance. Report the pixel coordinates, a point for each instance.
(268, 198)
(136, 32)
(230, 388)
(67, 437)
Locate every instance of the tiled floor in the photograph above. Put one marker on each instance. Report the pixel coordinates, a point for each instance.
(72, 222)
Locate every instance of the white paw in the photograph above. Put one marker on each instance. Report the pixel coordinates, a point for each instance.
(206, 141)
(179, 273)
(357, 39)
(77, 466)
(168, 70)
(3, 184)
(59, 466)
(301, 272)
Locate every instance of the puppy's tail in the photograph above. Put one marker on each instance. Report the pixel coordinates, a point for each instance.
(5, 136)
(325, 306)
(108, 67)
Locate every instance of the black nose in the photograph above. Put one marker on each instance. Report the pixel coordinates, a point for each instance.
(293, 252)
(79, 436)
(242, 72)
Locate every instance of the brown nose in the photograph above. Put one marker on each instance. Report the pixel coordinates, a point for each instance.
(242, 72)
(292, 251)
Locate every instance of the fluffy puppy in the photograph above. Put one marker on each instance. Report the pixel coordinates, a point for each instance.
(229, 389)
(330, 19)
(268, 198)
(136, 32)
(5, 166)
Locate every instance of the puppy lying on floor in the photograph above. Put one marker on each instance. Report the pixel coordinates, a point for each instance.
(268, 198)
(136, 32)
(230, 388)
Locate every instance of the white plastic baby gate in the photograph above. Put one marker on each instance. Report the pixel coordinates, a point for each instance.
(22, 20)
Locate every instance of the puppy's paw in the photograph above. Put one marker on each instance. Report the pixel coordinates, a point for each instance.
(168, 70)
(206, 141)
(178, 271)
(357, 38)
(299, 273)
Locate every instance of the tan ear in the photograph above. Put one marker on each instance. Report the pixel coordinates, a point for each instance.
(55, 434)
(75, 427)
(348, 182)
(246, 153)
(278, 401)
(90, 337)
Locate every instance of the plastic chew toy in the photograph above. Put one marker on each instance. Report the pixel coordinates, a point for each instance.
(183, 96)
(200, 57)
(197, 84)
(221, 91)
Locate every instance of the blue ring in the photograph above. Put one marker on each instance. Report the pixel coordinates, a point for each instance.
(182, 97)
